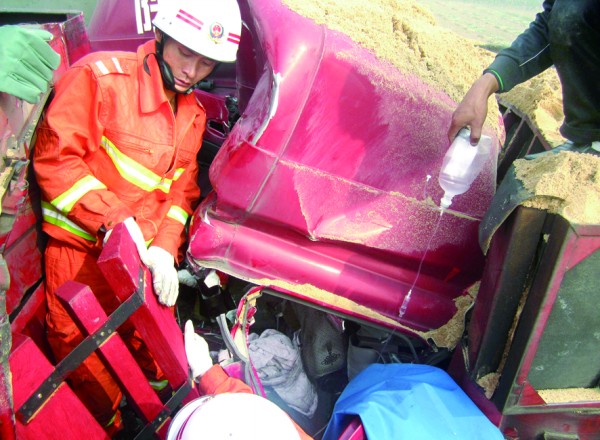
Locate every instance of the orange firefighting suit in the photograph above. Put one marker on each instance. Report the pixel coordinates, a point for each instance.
(216, 381)
(111, 147)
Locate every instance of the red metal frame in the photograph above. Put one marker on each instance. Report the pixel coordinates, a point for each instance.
(321, 194)
(516, 406)
(156, 324)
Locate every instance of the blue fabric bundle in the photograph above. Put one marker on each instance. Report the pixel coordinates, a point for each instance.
(409, 401)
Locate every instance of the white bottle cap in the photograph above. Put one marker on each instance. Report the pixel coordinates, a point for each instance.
(446, 201)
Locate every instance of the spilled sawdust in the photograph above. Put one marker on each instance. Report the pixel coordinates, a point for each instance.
(449, 334)
(540, 99)
(358, 226)
(306, 290)
(406, 34)
(569, 395)
(566, 183)
(489, 382)
(336, 301)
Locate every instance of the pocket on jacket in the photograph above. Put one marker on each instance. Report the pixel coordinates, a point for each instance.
(145, 152)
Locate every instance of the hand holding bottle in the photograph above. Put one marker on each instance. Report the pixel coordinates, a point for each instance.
(462, 164)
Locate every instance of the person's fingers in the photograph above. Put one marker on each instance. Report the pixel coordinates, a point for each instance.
(21, 89)
(42, 34)
(463, 116)
(169, 291)
(475, 134)
(41, 50)
(453, 131)
(157, 283)
(36, 71)
(173, 293)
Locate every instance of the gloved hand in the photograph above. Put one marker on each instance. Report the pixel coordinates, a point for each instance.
(164, 275)
(138, 238)
(196, 350)
(27, 62)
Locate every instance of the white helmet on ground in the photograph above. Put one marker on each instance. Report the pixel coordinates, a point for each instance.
(232, 416)
(211, 28)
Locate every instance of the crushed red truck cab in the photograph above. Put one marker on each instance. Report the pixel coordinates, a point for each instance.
(319, 190)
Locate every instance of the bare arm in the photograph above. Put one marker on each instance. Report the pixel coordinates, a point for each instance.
(473, 108)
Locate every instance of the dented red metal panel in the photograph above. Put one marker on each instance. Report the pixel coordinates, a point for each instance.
(328, 181)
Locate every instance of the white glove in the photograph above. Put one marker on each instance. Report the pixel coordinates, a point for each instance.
(138, 238)
(196, 350)
(164, 275)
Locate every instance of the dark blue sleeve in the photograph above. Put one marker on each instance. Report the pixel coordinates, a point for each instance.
(527, 56)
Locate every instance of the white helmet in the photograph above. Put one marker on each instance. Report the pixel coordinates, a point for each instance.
(232, 416)
(211, 28)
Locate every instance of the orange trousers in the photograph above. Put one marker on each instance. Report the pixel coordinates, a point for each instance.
(91, 381)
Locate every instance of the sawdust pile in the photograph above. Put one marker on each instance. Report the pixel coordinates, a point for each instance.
(449, 334)
(566, 183)
(489, 383)
(406, 34)
(570, 395)
(540, 99)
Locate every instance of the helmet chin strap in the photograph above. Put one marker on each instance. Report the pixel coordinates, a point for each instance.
(165, 70)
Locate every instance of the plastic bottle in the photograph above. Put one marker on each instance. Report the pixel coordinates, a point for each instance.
(462, 164)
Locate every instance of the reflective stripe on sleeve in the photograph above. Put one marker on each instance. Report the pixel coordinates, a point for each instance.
(51, 215)
(117, 64)
(64, 203)
(102, 68)
(176, 213)
(137, 174)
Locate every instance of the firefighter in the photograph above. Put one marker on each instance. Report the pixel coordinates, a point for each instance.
(227, 408)
(118, 144)
(27, 62)
(566, 34)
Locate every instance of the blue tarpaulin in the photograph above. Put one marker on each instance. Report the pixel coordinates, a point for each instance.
(409, 401)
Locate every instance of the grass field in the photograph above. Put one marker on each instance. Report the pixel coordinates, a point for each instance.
(494, 23)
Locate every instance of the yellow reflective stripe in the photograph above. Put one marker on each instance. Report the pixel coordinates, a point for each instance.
(158, 385)
(133, 172)
(111, 421)
(178, 173)
(54, 217)
(64, 203)
(176, 213)
(165, 185)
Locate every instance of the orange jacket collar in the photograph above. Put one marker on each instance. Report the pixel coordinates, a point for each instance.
(152, 93)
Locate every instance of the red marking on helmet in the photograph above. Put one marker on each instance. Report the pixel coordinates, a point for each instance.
(216, 31)
(189, 19)
(233, 38)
